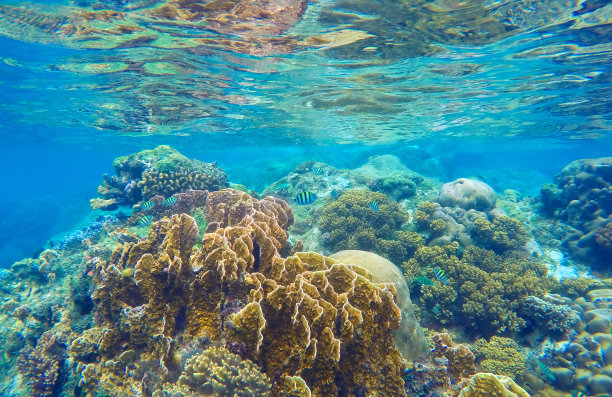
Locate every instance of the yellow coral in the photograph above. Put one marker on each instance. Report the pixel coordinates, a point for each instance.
(490, 385)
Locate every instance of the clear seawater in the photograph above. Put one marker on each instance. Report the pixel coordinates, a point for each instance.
(507, 92)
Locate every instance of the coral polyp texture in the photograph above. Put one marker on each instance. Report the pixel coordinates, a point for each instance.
(468, 194)
(162, 171)
(582, 198)
(314, 326)
(491, 385)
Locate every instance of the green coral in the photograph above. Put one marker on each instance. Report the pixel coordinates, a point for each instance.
(351, 223)
(501, 235)
(577, 287)
(484, 291)
(500, 356)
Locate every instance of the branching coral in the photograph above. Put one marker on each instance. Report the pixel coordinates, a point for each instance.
(500, 356)
(351, 223)
(501, 235)
(485, 290)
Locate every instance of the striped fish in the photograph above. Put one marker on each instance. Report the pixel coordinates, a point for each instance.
(374, 205)
(422, 280)
(546, 371)
(441, 275)
(318, 170)
(145, 220)
(305, 198)
(147, 205)
(169, 201)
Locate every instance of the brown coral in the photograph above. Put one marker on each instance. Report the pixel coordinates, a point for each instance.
(326, 322)
(460, 358)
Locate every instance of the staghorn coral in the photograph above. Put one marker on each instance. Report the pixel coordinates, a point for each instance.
(485, 290)
(42, 364)
(352, 224)
(326, 322)
(490, 385)
(218, 372)
(576, 287)
(500, 356)
(460, 358)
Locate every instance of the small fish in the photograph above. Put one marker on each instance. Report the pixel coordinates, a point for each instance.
(441, 276)
(549, 374)
(305, 198)
(576, 393)
(169, 201)
(374, 205)
(317, 170)
(436, 308)
(281, 186)
(145, 220)
(147, 205)
(422, 280)
(334, 194)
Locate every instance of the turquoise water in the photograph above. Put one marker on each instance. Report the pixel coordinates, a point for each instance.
(355, 102)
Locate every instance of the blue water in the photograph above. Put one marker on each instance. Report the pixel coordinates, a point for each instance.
(506, 92)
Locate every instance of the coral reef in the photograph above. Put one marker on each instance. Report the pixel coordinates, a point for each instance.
(89, 232)
(468, 194)
(161, 171)
(490, 385)
(485, 291)
(351, 224)
(500, 356)
(460, 358)
(582, 198)
(501, 235)
(409, 337)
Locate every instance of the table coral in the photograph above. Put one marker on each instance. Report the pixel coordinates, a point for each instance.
(351, 224)
(490, 385)
(499, 355)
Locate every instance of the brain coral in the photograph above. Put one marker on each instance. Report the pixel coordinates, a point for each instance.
(468, 194)
(351, 223)
(409, 338)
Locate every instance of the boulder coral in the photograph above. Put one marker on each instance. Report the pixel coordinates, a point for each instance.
(409, 337)
(581, 197)
(468, 194)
